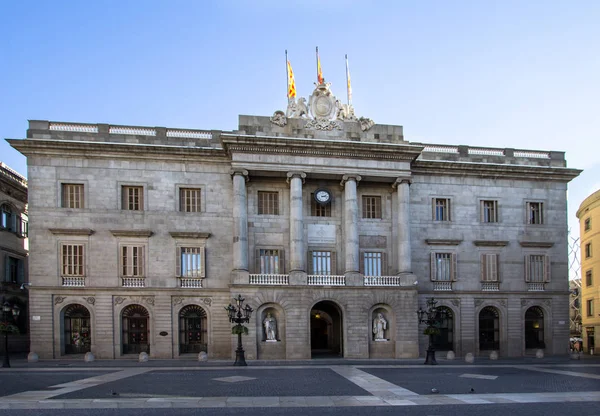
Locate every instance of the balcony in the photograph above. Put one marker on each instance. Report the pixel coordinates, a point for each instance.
(442, 286)
(73, 281)
(382, 281)
(190, 283)
(270, 279)
(490, 286)
(536, 286)
(133, 282)
(326, 280)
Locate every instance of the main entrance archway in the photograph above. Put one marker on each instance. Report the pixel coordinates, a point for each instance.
(326, 331)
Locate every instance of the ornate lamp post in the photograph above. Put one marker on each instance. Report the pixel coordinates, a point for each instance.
(239, 315)
(12, 313)
(432, 317)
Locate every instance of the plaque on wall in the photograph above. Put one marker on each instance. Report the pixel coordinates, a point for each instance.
(321, 234)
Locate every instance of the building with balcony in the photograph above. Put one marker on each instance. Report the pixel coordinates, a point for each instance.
(589, 221)
(13, 253)
(335, 229)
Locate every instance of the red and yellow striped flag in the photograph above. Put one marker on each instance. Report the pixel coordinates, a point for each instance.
(319, 71)
(291, 82)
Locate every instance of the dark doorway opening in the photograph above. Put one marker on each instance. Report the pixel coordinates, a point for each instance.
(326, 331)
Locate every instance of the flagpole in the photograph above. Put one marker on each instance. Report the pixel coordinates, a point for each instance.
(287, 77)
(347, 91)
(317, 64)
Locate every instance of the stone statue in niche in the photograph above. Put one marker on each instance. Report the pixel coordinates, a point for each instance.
(379, 326)
(270, 324)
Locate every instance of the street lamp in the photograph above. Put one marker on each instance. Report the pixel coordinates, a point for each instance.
(239, 315)
(6, 327)
(432, 317)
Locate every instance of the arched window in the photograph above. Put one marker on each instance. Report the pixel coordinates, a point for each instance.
(135, 330)
(489, 329)
(192, 330)
(77, 331)
(445, 339)
(534, 328)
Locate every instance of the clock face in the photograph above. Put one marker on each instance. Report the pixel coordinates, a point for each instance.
(322, 196)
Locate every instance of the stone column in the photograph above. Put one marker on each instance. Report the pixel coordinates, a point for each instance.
(350, 183)
(404, 260)
(240, 225)
(297, 255)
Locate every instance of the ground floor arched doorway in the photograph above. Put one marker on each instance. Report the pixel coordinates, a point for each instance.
(192, 330)
(76, 324)
(135, 330)
(326, 330)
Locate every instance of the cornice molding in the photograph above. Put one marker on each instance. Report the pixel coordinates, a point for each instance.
(442, 242)
(71, 231)
(132, 233)
(538, 244)
(490, 243)
(185, 234)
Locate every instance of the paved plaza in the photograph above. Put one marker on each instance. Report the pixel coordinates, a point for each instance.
(290, 385)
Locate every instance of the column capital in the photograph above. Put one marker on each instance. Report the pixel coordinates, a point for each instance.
(347, 178)
(400, 181)
(291, 175)
(242, 172)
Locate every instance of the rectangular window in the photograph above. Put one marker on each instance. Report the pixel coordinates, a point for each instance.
(588, 278)
(72, 195)
(371, 206)
(590, 307)
(535, 214)
(132, 198)
(489, 268)
(443, 267)
(6, 218)
(268, 203)
(269, 261)
(588, 250)
(489, 211)
(190, 262)
(441, 209)
(72, 260)
(321, 262)
(373, 263)
(132, 261)
(319, 210)
(14, 270)
(189, 199)
(537, 268)
(587, 224)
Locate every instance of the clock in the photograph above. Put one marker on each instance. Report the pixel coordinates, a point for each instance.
(322, 196)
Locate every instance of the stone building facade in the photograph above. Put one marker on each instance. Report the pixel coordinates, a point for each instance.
(13, 253)
(141, 236)
(589, 231)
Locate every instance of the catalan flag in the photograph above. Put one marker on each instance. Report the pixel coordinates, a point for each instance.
(291, 93)
(319, 71)
(348, 82)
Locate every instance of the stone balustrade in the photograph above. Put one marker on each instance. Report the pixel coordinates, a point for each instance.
(382, 281)
(190, 283)
(442, 286)
(324, 280)
(536, 286)
(269, 279)
(490, 286)
(73, 281)
(133, 282)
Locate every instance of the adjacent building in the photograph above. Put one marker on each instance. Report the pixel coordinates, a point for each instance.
(589, 221)
(334, 229)
(13, 255)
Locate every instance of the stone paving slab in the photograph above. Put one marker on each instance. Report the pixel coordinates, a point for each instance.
(14, 382)
(447, 380)
(265, 382)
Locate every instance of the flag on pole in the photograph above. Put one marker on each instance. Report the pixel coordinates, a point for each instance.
(348, 82)
(291, 93)
(319, 71)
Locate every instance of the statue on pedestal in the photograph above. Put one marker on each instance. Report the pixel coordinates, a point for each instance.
(270, 324)
(379, 326)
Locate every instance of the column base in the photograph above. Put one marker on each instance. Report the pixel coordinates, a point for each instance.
(298, 278)
(354, 279)
(240, 277)
(408, 279)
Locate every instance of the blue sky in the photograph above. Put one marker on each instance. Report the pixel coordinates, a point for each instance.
(521, 74)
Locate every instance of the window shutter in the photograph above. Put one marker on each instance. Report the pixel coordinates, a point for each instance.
(281, 261)
(433, 209)
(178, 262)
(497, 256)
(123, 197)
(541, 213)
(257, 269)
(384, 269)
(546, 269)
(202, 262)
(21, 271)
(310, 263)
(449, 210)
(494, 267)
(527, 277)
(142, 261)
(333, 263)
(453, 268)
(361, 263)
(483, 261)
(6, 268)
(432, 270)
